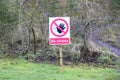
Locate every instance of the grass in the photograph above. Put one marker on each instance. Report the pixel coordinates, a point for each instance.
(17, 69)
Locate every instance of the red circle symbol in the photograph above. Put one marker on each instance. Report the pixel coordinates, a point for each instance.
(57, 26)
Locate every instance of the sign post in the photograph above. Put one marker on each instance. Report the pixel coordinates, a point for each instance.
(59, 33)
(61, 61)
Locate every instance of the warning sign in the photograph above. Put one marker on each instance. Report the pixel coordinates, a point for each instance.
(59, 30)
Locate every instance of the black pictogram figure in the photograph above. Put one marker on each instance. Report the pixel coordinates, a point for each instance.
(60, 26)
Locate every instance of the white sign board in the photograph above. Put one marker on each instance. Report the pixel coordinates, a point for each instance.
(59, 30)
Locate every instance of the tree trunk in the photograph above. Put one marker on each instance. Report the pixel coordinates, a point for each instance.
(34, 38)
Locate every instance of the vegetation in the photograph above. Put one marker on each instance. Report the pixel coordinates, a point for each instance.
(8, 21)
(95, 39)
(31, 32)
(24, 70)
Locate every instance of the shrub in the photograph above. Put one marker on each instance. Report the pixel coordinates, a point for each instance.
(108, 59)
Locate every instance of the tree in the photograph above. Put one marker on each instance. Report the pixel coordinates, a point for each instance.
(8, 19)
(114, 7)
(29, 9)
(91, 15)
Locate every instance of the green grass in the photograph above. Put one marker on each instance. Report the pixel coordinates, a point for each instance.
(15, 69)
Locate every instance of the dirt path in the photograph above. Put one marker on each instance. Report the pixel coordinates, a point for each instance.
(94, 38)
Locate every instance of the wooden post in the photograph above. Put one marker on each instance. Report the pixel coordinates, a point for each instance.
(61, 62)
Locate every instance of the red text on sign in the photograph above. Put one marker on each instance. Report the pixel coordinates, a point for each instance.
(59, 41)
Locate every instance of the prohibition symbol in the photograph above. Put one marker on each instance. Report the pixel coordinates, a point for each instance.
(62, 31)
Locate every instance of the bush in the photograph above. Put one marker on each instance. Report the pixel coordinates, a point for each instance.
(75, 57)
(108, 59)
(104, 59)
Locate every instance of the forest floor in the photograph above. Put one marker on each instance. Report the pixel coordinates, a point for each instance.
(18, 69)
